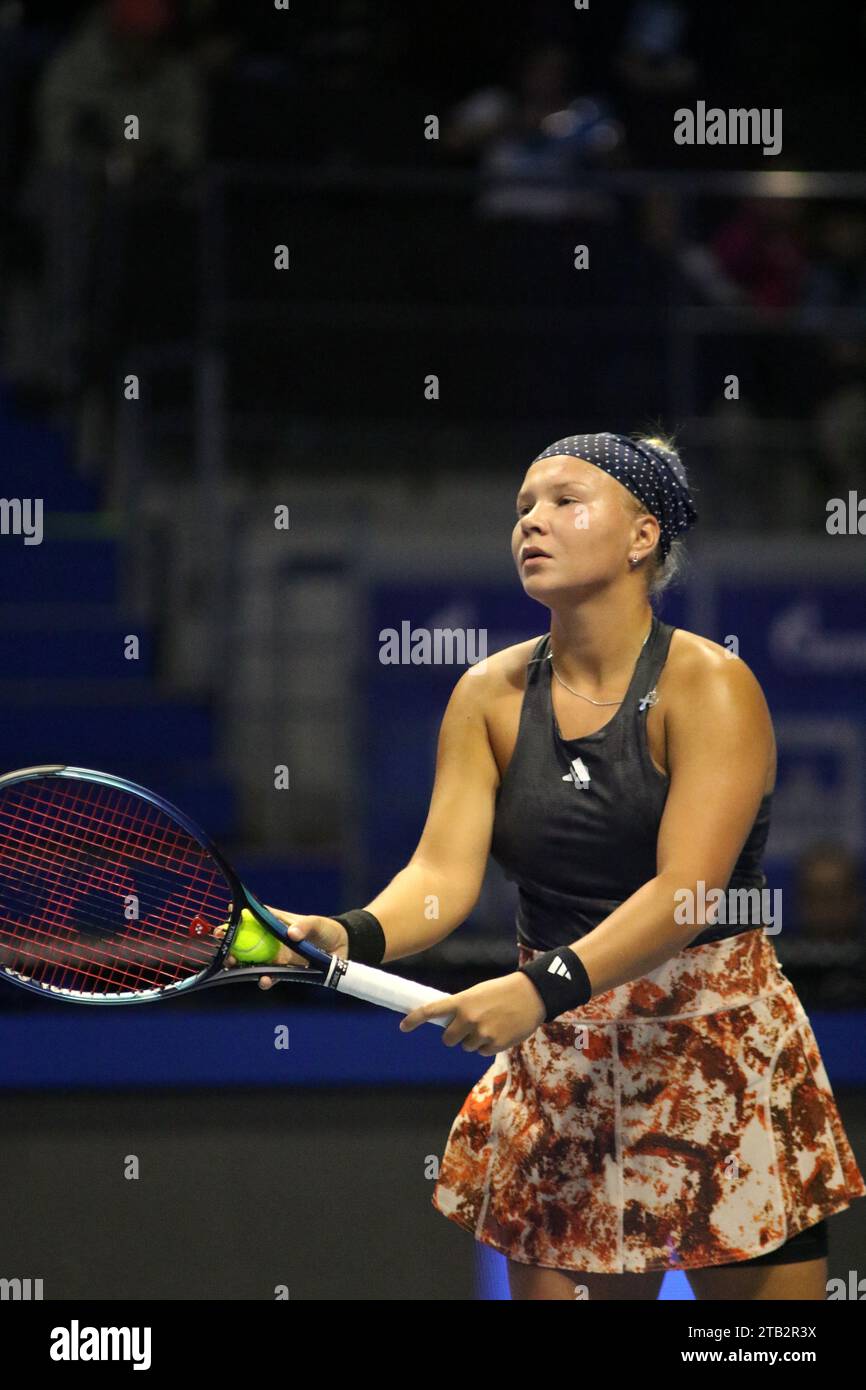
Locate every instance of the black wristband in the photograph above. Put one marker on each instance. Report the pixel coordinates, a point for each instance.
(366, 937)
(561, 979)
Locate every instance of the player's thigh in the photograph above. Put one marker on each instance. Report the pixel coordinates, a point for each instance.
(531, 1282)
(804, 1280)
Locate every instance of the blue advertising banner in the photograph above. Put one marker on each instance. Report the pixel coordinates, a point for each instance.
(806, 643)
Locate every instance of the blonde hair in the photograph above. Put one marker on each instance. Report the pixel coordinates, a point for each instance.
(662, 573)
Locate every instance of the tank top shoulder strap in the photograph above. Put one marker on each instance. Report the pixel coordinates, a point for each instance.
(539, 651)
(650, 666)
(535, 673)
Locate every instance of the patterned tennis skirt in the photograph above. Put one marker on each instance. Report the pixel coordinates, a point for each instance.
(679, 1121)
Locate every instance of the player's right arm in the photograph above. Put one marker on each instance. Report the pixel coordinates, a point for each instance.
(438, 888)
(440, 885)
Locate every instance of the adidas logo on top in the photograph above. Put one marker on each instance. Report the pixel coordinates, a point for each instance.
(558, 967)
(578, 774)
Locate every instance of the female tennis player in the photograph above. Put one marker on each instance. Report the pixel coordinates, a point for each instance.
(657, 1099)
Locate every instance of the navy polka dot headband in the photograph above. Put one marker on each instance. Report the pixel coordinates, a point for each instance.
(650, 473)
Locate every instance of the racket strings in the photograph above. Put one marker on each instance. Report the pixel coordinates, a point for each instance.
(81, 862)
(88, 829)
(72, 855)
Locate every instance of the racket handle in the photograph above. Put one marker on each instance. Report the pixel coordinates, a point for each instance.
(392, 992)
(352, 976)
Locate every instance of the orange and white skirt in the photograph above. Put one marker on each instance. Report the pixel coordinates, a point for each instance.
(682, 1120)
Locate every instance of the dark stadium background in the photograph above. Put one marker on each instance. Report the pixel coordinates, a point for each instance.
(409, 257)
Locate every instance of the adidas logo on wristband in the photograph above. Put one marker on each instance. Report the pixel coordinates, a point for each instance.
(560, 978)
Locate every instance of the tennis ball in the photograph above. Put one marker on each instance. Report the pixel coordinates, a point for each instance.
(252, 942)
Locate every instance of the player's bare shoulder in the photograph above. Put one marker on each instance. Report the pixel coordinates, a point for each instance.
(693, 660)
(498, 695)
(494, 686)
(501, 682)
(700, 670)
(505, 670)
(488, 688)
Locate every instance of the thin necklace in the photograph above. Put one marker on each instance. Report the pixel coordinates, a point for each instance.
(589, 697)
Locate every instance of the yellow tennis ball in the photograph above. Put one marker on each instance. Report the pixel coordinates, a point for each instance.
(252, 942)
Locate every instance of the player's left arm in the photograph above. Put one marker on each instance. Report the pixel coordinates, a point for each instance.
(720, 748)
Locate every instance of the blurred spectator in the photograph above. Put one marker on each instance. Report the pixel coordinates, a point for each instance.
(838, 279)
(118, 62)
(840, 418)
(830, 898)
(826, 959)
(651, 57)
(757, 257)
(532, 143)
(836, 282)
(701, 278)
(654, 75)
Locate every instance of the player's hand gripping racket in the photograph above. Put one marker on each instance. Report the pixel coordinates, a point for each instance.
(109, 895)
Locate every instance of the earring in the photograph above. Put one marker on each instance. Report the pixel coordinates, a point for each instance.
(633, 559)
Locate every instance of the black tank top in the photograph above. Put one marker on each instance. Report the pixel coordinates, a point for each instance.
(577, 819)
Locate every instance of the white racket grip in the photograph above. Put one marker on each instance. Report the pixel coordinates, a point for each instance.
(392, 992)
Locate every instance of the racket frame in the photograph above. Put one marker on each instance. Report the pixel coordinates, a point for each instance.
(327, 970)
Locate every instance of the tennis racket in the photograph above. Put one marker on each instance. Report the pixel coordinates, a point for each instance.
(110, 895)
